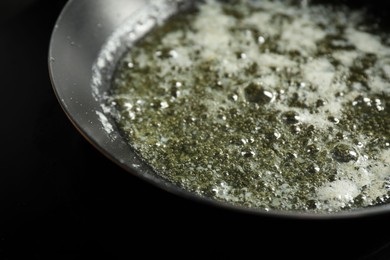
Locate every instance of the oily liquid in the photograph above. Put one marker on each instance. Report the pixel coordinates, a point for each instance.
(262, 104)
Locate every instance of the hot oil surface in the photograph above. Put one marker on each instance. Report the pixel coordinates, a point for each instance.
(262, 104)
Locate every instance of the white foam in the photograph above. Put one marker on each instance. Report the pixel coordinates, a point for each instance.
(107, 126)
(366, 42)
(275, 60)
(346, 57)
(378, 85)
(262, 20)
(385, 157)
(337, 194)
(211, 28)
(386, 70)
(301, 35)
(320, 73)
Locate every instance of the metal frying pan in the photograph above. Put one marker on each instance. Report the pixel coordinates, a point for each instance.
(80, 72)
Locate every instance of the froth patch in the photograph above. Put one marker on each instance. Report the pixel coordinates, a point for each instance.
(337, 194)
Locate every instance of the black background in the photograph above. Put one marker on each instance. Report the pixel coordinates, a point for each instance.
(61, 199)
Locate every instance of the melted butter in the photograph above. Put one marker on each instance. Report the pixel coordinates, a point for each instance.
(262, 104)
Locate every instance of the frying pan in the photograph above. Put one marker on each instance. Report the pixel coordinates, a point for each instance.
(87, 41)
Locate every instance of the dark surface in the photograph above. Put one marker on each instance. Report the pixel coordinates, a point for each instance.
(61, 199)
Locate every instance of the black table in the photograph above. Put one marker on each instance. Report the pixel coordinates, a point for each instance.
(61, 199)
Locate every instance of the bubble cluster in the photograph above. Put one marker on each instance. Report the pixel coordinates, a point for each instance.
(265, 104)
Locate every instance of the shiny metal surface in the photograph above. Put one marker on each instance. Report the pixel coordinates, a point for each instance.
(78, 37)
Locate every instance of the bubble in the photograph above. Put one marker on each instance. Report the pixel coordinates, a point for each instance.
(277, 134)
(290, 117)
(320, 103)
(378, 104)
(222, 117)
(233, 97)
(166, 53)
(295, 129)
(344, 153)
(312, 149)
(248, 154)
(359, 144)
(313, 169)
(291, 156)
(164, 104)
(242, 56)
(178, 84)
(255, 93)
(261, 40)
(333, 120)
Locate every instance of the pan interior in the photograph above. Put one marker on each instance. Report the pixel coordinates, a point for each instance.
(128, 32)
